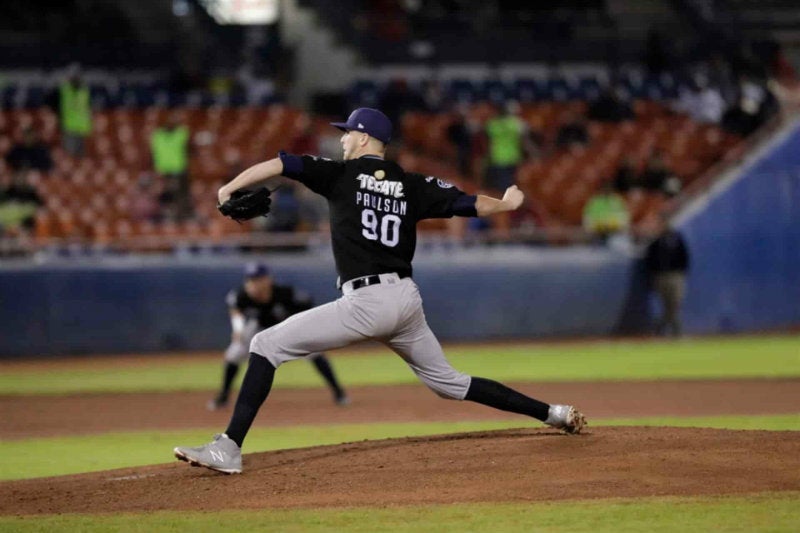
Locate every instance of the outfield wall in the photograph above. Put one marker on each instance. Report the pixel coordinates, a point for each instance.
(744, 237)
(496, 293)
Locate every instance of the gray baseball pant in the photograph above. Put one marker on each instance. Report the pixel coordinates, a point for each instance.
(238, 351)
(390, 312)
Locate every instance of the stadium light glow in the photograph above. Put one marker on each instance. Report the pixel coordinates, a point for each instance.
(244, 12)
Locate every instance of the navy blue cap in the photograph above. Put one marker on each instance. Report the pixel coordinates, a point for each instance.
(370, 121)
(255, 270)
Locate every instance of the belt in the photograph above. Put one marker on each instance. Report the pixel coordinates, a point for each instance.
(366, 281)
(373, 279)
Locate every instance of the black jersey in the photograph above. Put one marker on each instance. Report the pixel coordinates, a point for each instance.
(283, 304)
(374, 209)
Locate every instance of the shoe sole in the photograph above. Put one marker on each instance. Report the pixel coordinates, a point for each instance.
(194, 462)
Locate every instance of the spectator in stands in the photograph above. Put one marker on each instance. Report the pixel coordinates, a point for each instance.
(167, 201)
(701, 101)
(144, 205)
(75, 110)
(30, 153)
(611, 106)
(741, 118)
(169, 145)
(461, 133)
(626, 178)
(667, 261)
(18, 204)
(573, 132)
(605, 214)
(509, 140)
(756, 104)
(656, 176)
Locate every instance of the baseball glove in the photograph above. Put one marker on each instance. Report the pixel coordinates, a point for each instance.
(244, 205)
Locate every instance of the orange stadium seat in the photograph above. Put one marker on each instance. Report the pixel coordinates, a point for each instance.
(118, 151)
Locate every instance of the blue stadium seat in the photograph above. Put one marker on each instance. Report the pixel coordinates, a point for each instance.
(652, 88)
(35, 96)
(559, 90)
(529, 90)
(176, 99)
(634, 84)
(238, 98)
(669, 85)
(587, 88)
(462, 91)
(495, 91)
(100, 96)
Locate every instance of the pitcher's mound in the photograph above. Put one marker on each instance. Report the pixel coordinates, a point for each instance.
(512, 465)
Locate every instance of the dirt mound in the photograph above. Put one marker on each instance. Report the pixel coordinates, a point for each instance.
(512, 465)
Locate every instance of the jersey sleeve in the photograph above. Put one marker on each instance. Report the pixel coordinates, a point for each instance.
(437, 198)
(316, 173)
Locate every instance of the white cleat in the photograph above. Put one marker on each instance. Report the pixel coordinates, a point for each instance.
(221, 454)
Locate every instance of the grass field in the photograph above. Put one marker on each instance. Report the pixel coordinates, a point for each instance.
(767, 356)
(742, 357)
(763, 512)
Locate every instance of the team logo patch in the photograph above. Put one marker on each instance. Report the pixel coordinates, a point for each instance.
(429, 179)
(379, 174)
(444, 184)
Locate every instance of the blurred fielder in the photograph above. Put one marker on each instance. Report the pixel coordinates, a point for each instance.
(256, 305)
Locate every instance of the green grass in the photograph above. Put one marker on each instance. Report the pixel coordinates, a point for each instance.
(738, 357)
(775, 512)
(88, 453)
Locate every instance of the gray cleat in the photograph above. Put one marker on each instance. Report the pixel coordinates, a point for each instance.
(221, 454)
(566, 418)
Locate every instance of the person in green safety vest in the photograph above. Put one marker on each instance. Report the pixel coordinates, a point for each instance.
(75, 110)
(605, 213)
(509, 141)
(19, 202)
(169, 145)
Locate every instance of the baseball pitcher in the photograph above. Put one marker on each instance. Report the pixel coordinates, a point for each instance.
(374, 209)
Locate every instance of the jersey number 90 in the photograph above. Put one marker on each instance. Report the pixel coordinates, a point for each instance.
(386, 228)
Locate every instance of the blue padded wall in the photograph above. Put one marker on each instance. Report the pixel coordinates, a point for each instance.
(745, 246)
(175, 305)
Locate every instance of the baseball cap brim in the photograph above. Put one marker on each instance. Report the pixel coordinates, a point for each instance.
(341, 125)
